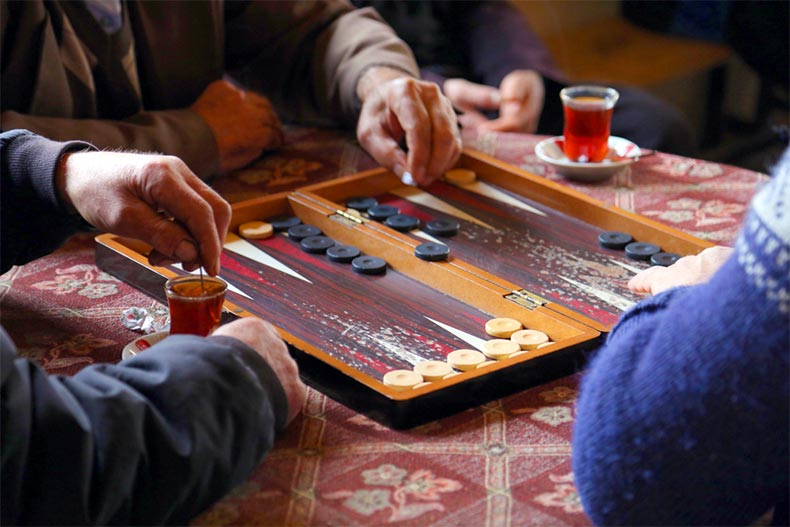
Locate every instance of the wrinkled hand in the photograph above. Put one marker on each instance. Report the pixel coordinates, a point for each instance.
(244, 123)
(396, 107)
(689, 270)
(263, 338)
(519, 100)
(135, 195)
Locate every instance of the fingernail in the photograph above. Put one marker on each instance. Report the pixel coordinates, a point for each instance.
(407, 179)
(496, 98)
(186, 251)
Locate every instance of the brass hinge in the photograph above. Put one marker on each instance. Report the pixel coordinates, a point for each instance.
(346, 217)
(526, 299)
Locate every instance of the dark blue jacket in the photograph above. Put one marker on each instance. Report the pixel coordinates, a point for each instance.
(153, 440)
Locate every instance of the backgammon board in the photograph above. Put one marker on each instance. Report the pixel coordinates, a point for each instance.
(526, 249)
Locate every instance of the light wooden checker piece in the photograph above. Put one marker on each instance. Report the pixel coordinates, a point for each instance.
(465, 359)
(256, 230)
(500, 349)
(502, 328)
(402, 380)
(433, 370)
(529, 339)
(460, 176)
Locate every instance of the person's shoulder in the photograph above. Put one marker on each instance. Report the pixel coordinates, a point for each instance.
(763, 248)
(772, 203)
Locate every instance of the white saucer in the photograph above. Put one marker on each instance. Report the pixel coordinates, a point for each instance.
(622, 152)
(141, 344)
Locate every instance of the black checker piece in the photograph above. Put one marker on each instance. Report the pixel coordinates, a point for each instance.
(664, 259)
(300, 232)
(342, 253)
(316, 244)
(369, 265)
(361, 203)
(445, 227)
(641, 250)
(402, 222)
(283, 223)
(382, 212)
(432, 252)
(614, 240)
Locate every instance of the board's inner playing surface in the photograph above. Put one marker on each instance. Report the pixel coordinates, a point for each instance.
(526, 249)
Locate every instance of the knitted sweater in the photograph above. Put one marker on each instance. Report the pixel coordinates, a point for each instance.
(683, 414)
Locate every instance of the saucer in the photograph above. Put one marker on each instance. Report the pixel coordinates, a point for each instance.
(622, 152)
(141, 344)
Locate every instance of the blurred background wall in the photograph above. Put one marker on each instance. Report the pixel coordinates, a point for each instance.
(723, 63)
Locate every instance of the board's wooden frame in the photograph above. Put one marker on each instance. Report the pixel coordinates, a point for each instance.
(320, 205)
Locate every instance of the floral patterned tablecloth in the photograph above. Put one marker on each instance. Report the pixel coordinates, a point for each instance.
(504, 463)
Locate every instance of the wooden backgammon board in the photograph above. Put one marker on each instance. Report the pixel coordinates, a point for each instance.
(526, 248)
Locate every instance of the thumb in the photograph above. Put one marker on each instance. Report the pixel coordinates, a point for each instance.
(167, 237)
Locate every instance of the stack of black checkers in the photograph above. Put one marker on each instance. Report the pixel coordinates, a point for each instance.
(312, 240)
(392, 217)
(636, 250)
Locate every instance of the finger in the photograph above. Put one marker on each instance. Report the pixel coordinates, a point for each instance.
(644, 280)
(467, 95)
(504, 124)
(158, 259)
(446, 139)
(170, 242)
(472, 119)
(514, 116)
(381, 145)
(419, 141)
(222, 213)
(193, 212)
(408, 108)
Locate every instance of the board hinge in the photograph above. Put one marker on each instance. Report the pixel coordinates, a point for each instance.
(526, 299)
(346, 217)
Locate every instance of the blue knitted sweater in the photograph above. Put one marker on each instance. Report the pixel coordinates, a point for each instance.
(683, 414)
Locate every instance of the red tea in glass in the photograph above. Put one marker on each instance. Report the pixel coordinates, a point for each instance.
(588, 115)
(195, 304)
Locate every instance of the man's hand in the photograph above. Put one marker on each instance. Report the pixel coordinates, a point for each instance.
(519, 100)
(397, 107)
(263, 338)
(689, 270)
(244, 123)
(135, 195)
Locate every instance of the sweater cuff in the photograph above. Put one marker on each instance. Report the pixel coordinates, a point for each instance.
(649, 305)
(39, 158)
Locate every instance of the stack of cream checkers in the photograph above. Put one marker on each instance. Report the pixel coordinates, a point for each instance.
(256, 230)
(510, 340)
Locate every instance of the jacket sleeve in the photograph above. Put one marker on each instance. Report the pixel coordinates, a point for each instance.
(307, 57)
(33, 221)
(153, 440)
(683, 414)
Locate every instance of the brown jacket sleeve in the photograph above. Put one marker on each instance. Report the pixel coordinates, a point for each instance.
(305, 56)
(311, 56)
